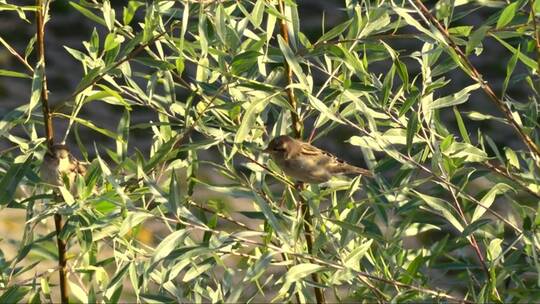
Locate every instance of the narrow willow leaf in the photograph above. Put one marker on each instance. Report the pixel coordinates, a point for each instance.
(476, 38)
(510, 69)
(133, 220)
(257, 13)
(353, 259)
(455, 99)
(78, 292)
(249, 119)
(116, 281)
(168, 244)
(412, 128)
(494, 249)
(37, 85)
(334, 32)
(461, 126)
(195, 271)
(507, 15)
(92, 126)
(323, 109)
(296, 273)
(8, 73)
(512, 158)
(88, 14)
(14, 294)
(293, 63)
(244, 61)
(476, 225)
(522, 57)
(443, 207)
(11, 180)
(488, 199)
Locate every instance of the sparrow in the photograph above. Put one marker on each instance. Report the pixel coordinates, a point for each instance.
(306, 163)
(58, 163)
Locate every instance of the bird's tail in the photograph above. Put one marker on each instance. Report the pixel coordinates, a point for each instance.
(361, 171)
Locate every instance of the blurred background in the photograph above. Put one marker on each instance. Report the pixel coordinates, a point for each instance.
(69, 28)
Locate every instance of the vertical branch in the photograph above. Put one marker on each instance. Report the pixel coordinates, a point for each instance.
(296, 124)
(61, 259)
(40, 32)
(297, 130)
(49, 135)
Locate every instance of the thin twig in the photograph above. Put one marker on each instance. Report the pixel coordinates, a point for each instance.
(49, 134)
(297, 130)
(17, 55)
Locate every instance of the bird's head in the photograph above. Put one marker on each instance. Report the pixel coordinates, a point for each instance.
(60, 151)
(280, 145)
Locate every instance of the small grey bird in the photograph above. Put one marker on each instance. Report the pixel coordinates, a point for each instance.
(59, 162)
(306, 163)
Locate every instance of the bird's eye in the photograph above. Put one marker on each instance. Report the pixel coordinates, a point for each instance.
(279, 149)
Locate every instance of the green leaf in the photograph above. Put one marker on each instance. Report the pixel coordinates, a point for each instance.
(461, 126)
(337, 30)
(11, 180)
(472, 227)
(441, 206)
(412, 128)
(293, 63)
(507, 15)
(37, 85)
(8, 73)
(476, 38)
(244, 61)
(524, 58)
(14, 294)
(296, 273)
(168, 244)
(510, 69)
(511, 157)
(448, 101)
(88, 13)
(92, 126)
(195, 271)
(494, 249)
(249, 119)
(353, 259)
(133, 219)
(488, 199)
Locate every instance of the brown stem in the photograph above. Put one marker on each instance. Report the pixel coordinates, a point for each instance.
(296, 124)
(61, 260)
(297, 130)
(308, 223)
(49, 135)
(40, 31)
(476, 76)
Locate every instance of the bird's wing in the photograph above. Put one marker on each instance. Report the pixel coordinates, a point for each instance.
(333, 163)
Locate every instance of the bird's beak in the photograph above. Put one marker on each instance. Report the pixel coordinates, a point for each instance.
(267, 150)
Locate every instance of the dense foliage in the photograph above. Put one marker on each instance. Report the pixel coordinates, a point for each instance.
(204, 216)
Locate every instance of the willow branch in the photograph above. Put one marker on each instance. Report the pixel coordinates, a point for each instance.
(476, 76)
(296, 123)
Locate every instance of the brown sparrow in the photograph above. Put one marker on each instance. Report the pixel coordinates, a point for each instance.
(307, 163)
(59, 162)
